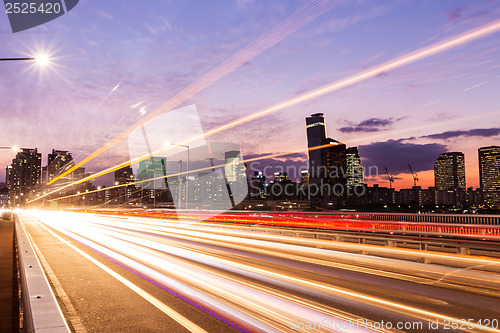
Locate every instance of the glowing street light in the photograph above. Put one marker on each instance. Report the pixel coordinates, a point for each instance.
(13, 148)
(42, 59)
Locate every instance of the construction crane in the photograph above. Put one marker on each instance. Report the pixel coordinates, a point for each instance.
(415, 178)
(391, 178)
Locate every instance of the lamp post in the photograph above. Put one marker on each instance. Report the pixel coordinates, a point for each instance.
(187, 172)
(18, 59)
(40, 59)
(13, 148)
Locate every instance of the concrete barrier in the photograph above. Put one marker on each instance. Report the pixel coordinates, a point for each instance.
(41, 313)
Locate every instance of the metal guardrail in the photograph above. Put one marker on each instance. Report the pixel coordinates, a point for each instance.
(41, 313)
(481, 219)
(440, 237)
(423, 244)
(454, 225)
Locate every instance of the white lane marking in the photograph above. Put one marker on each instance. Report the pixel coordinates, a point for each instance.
(189, 325)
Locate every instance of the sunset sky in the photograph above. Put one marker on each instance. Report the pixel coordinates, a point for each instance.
(113, 62)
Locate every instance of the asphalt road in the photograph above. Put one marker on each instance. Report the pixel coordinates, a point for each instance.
(129, 274)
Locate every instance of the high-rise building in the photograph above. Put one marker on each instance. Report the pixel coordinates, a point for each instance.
(489, 174)
(57, 162)
(334, 162)
(258, 185)
(449, 172)
(354, 167)
(304, 177)
(332, 165)
(236, 176)
(25, 169)
(316, 134)
(4, 195)
(124, 176)
(234, 168)
(8, 176)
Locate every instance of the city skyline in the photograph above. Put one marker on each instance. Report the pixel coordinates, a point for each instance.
(445, 164)
(89, 96)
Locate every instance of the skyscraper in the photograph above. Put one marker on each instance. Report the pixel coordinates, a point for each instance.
(449, 171)
(258, 185)
(332, 165)
(8, 176)
(124, 176)
(334, 162)
(316, 133)
(234, 169)
(236, 176)
(57, 162)
(354, 167)
(25, 169)
(489, 174)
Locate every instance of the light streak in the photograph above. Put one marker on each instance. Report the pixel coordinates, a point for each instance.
(233, 286)
(189, 325)
(160, 177)
(216, 291)
(296, 21)
(370, 73)
(475, 86)
(406, 59)
(108, 95)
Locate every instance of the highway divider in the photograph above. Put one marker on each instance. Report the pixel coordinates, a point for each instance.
(40, 310)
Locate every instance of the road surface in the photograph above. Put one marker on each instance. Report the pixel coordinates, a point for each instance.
(133, 274)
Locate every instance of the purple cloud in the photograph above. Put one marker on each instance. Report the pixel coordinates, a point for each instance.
(481, 132)
(292, 163)
(455, 13)
(397, 154)
(368, 125)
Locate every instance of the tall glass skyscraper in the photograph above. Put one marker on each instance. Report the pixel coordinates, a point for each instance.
(334, 162)
(489, 174)
(316, 134)
(332, 165)
(449, 171)
(58, 162)
(354, 167)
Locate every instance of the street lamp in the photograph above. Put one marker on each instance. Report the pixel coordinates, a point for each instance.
(40, 59)
(166, 143)
(13, 148)
(18, 59)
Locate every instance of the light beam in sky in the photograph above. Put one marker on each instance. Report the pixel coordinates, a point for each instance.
(293, 23)
(374, 71)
